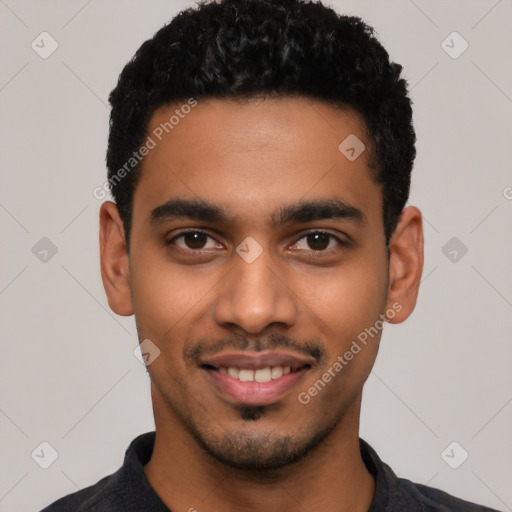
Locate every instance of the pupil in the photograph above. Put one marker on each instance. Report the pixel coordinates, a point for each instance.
(318, 240)
(195, 240)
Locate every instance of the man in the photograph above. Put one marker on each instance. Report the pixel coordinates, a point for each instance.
(259, 156)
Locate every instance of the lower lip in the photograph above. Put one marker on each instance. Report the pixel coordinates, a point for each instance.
(255, 393)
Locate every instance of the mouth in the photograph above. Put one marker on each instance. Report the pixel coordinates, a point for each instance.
(257, 378)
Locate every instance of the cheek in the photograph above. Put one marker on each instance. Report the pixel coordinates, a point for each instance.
(349, 305)
(167, 296)
(347, 300)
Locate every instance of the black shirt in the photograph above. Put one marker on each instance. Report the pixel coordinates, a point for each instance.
(128, 490)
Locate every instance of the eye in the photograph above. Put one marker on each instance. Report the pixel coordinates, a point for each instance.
(194, 240)
(318, 241)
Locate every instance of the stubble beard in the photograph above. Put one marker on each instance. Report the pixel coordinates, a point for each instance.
(259, 453)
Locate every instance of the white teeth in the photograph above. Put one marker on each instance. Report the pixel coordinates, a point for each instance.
(260, 375)
(246, 375)
(233, 372)
(263, 375)
(277, 372)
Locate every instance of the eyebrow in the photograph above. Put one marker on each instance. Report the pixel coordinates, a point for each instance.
(301, 211)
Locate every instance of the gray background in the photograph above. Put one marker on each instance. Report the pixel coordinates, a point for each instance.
(68, 373)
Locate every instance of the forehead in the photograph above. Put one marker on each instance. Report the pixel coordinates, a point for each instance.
(253, 155)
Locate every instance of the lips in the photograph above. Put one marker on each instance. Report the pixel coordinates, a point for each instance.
(255, 378)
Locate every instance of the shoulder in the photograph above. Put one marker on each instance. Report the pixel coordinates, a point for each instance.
(93, 498)
(394, 494)
(430, 499)
(125, 490)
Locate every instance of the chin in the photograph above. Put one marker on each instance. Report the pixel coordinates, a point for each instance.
(261, 452)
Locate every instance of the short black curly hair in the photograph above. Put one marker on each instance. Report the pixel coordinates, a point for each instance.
(236, 49)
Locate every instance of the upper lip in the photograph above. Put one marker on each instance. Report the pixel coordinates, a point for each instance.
(257, 360)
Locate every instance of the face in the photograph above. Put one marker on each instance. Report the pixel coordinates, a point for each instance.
(257, 259)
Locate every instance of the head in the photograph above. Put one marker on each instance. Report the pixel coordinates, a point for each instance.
(267, 148)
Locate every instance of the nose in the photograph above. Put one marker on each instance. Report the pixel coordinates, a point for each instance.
(253, 296)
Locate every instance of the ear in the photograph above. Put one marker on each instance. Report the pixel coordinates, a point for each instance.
(114, 260)
(405, 264)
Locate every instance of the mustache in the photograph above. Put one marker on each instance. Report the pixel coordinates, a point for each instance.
(197, 350)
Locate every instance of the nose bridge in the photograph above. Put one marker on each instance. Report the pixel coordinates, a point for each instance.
(252, 296)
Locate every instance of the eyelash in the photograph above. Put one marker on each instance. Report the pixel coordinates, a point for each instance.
(340, 242)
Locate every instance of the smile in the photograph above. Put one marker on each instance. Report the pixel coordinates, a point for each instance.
(255, 378)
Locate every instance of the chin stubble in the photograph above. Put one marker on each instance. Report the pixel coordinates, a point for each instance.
(259, 454)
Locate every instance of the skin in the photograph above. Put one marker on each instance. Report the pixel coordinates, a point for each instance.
(252, 158)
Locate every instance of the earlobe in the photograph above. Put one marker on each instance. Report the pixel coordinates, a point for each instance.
(405, 264)
(114, 260)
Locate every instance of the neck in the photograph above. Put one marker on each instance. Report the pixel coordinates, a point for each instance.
(332, 477)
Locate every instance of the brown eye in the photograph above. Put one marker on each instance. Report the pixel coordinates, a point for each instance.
(193, 241)
(318, 241)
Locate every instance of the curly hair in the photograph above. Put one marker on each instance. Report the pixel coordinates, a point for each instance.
(236, 49)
